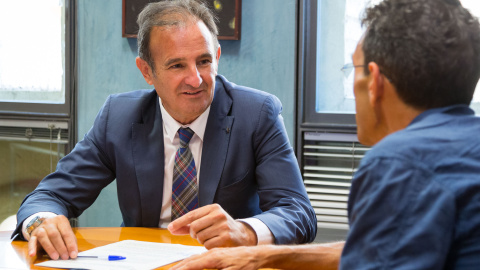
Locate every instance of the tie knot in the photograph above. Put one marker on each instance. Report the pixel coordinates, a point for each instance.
(185, 135)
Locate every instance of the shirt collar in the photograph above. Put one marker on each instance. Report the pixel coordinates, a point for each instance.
(437, 115)
(171, 125)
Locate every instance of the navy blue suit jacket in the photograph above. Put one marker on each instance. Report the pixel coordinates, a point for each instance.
(248, 166)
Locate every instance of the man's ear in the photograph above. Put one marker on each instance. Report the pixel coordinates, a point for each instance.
(217, 58)
(376, 84)
(145, 69)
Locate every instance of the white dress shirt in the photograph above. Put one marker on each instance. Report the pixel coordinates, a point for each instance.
(171, 143)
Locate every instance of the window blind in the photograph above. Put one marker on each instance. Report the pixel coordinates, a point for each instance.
(329, 163)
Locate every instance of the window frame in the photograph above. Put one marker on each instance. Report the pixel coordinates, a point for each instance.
(307, 45)
(50, 112)
(308, 119)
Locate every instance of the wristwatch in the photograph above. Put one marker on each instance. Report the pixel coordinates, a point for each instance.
(34, 223)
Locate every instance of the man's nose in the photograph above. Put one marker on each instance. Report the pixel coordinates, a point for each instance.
(193, 78)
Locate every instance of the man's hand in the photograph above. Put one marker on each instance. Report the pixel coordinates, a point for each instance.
(56, 237)
(312, 257)
(213, 227)
(239, 258)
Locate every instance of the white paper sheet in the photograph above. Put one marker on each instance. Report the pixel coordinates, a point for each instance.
(139, 255)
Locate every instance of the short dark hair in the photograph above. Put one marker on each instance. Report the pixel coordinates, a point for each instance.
(169, 13)
(428, 49)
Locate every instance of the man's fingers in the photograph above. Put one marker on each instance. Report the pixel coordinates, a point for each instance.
(56, 230)
(44, 241)
(181, 231)
(243, 258)
(216, 236)
(215, 217)
(196, 262)
(69, 238)
(32, 246)
(56, 237)
(57, 241)
(205, 233)
(215, 242)
(202, 224)
(217, 229)
(179, 226)
(210, 225)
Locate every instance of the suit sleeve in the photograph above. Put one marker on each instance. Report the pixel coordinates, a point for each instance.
(78, 179)
(287, 211)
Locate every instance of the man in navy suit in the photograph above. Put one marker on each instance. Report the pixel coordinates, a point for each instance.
(414, 202)
(250, 189)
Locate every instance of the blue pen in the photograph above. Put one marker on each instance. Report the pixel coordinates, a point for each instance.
(109, 257)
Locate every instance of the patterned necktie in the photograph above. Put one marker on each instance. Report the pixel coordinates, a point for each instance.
(184, 186)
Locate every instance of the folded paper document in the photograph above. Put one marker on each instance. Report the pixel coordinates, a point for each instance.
(139, 255)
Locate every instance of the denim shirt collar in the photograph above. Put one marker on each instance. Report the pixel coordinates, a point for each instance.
(437, 115)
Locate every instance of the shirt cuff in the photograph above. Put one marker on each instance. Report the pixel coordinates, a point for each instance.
(264, 235)
(27, 220)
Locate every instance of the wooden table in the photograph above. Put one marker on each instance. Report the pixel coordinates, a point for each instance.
(14, 254)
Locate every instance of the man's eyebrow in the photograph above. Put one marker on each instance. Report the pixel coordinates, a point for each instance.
(176, 60)
(206, 55)
(173, 60)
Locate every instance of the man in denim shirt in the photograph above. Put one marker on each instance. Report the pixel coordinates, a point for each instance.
(415, 199)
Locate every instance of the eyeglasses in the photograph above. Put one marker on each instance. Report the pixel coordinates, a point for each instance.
(348, 68)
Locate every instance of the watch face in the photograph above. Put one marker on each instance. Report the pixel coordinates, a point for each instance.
(34, 224)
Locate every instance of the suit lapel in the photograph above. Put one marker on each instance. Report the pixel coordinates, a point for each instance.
(215, 144)
(148, 157)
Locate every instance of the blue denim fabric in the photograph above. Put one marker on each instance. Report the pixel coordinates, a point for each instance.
(415, 200)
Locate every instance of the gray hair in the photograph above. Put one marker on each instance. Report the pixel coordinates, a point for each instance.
(171, 13)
